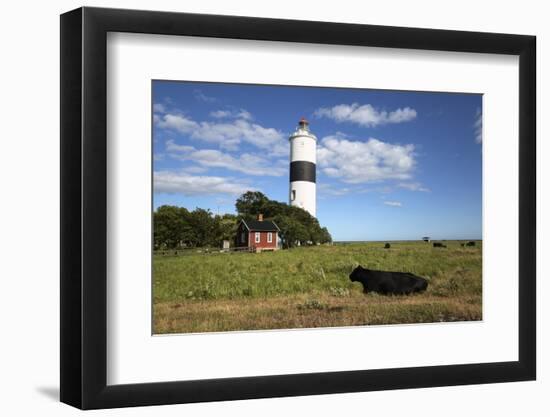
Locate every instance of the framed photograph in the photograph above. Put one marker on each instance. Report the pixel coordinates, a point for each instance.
(258, 208)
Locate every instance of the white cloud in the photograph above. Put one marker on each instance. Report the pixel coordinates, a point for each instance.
(200, 96)
(183, 183)
(281, 148)
(365, 115)
(325, 189)
(220, 114)
(232, 133)
(226, 114)
(413, 186)
(357, 162)
(212, 158)
(159, 108)
(228, 134)
(478, 126)
(175, 122)
(393, 203)
(236, 131)
(243, 114)
(172, 146)
(194, 170)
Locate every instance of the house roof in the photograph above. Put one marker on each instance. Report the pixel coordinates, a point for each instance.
(263, 226)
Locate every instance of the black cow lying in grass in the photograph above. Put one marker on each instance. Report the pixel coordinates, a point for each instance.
(439, 245)
(384, 282)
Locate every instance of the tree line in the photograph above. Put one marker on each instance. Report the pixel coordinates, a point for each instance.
(176, 227)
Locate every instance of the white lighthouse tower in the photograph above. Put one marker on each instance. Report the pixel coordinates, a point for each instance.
(303, 149)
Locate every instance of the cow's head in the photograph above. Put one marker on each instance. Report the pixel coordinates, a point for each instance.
(357, 274)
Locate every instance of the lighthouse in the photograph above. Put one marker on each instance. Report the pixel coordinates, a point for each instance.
(303, 149)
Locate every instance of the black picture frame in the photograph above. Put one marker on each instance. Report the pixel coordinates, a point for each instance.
(84, 207)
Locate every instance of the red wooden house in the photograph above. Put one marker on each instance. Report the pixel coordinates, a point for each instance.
(258, 234)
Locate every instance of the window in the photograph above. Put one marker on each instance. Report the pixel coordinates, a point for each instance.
(243, 237)
(293, 195)
(257, 240)
(269, 237)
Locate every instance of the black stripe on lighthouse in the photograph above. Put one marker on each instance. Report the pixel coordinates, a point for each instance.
(302, 171)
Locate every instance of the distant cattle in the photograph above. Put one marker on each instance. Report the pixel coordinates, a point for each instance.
(471, 243)
(385, 282)
(439, 245)
(387, 246)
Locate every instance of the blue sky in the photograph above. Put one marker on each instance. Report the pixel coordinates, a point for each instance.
(391, 165)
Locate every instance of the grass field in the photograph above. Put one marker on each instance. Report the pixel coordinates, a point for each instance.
(309, 287)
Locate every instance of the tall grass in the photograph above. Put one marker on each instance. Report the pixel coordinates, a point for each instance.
(309, 269)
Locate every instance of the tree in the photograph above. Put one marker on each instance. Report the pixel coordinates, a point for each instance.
(325, 236)
(203, 225)
(176, 226)
(296, 224)
(171, 227)
(251, 203)
(226, 227)
(292, 231)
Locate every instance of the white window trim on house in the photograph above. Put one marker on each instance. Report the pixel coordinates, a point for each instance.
(257, 237)
(270, 237)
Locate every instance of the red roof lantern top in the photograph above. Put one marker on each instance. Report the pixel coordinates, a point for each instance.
(302, 130)
(303, 124)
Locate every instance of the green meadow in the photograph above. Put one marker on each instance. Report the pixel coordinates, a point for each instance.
(308, 287)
